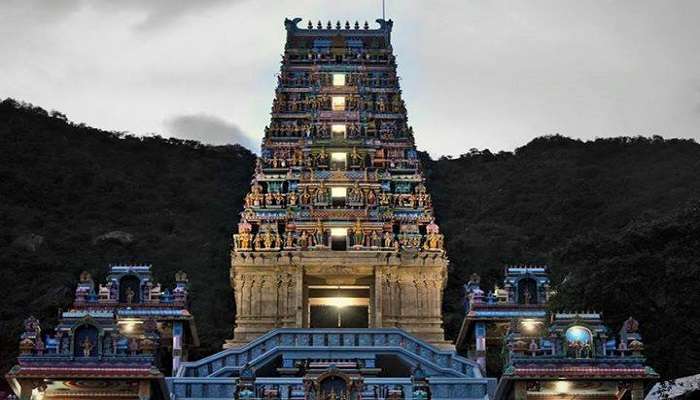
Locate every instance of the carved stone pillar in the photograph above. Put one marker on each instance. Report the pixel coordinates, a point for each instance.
(378, 303)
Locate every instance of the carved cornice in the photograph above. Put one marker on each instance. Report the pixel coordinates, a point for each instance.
(330, 258)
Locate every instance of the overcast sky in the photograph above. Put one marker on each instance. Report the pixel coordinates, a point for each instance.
(484, 74)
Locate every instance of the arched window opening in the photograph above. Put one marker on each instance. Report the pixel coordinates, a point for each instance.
(527, 291)
(130, 290)
(85, 341)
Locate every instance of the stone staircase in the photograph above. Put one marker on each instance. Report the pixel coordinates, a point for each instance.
(216, 377)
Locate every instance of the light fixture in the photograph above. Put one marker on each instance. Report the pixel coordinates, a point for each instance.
(339, 232)
(339, 302)
(338, 79)
(338, 103)
(129, 326)
(529, 325)
(339, 157)
(339, 191)
(562, 387)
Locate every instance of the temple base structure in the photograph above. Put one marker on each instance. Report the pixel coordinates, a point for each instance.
(373, 289)
(367, 363)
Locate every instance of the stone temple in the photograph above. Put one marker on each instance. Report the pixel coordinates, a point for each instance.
(337, 230)
(338, 270)
(338, 267)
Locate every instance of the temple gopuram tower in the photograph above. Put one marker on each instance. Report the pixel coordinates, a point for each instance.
(338, 228)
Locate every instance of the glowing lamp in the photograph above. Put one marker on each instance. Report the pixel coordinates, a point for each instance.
(562, 387)
(339, 192)
(338, 128)
(338, 103)
(529, 325)
(339, 232)
(338, 79)
(339, 302)
(339, 157)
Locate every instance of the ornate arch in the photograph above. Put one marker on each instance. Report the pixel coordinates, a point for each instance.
(77, 339)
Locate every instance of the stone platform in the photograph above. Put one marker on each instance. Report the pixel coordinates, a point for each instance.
(292, 363)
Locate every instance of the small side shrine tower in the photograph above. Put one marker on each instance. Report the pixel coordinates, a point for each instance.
(118, 340)
(522, 300)
(134, 297)
(575, 357)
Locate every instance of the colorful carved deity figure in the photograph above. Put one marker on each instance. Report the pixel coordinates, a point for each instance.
(297, 157)
(255, 197)
(130, 295)
(322, 195)
(87, 347)
(396, 104)
(381, 104)
(371, 198)
(243, 239)
(355, 158)
(355, 195)
(289, 240)
(319, 234)
(384, 199)
(305, 197)
(358, 236)
(388, 239)
(292, 199)
(322, 159)
(258, 241)
(269, 199)
(303, 240)
(376, 240)
(278, 241)
(433, 239)
(267, 240)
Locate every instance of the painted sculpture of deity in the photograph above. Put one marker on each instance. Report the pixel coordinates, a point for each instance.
(87, 346)
(355, 195)
(322, 195)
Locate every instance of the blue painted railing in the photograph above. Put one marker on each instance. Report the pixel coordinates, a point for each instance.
(216, 377)
(292, 340)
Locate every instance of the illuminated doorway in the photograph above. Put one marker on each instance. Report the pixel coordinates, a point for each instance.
(338, 306)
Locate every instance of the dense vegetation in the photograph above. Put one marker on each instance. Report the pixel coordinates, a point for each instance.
(616, 219)
(71, 184)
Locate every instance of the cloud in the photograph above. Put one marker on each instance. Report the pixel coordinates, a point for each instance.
(484, 73)
(208, 129)
(159, 13)
(152, 14)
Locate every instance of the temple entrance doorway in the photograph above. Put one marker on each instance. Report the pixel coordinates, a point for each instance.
(338, 307)
(334, 387)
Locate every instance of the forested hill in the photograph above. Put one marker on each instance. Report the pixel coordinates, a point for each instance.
(75, 198)
(616, 217)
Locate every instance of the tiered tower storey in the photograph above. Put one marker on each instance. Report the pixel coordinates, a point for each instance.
(338, 228)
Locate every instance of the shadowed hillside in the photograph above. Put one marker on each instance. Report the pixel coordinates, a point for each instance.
(613, 216)
(168, 202)
(543, 202)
